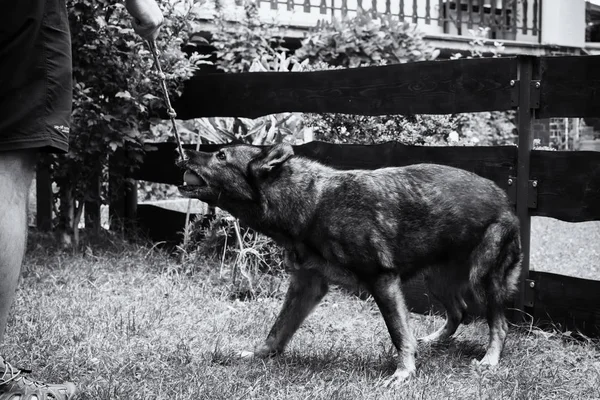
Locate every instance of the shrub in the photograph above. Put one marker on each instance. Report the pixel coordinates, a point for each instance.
(238, 45)
(365, 40)
(115, 86)
(416, 130)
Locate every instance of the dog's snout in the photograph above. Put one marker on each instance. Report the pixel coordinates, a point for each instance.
(189, 153)
(182, 164)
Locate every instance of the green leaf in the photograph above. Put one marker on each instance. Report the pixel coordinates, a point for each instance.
(123, 95)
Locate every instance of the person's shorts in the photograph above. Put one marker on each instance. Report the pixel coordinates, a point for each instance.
(35, 75)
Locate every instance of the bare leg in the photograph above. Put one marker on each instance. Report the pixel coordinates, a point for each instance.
(307, 288)
(16, 174)
(386, 291)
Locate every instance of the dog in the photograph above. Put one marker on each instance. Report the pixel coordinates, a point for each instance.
(376, 227)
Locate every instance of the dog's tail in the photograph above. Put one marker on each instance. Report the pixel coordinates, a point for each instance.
(496, 261)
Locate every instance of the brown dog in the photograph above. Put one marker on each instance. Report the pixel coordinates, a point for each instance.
(376, 227)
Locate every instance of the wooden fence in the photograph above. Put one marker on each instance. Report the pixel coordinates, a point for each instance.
(563, 185)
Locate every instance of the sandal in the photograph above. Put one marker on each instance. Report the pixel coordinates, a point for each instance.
(14, 386)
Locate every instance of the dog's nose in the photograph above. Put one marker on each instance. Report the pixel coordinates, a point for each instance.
(182, 163)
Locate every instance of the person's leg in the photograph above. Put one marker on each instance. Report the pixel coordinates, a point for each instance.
(16, 174)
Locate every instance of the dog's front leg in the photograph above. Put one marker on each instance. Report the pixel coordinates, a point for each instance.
(307, 288)
(386, 290)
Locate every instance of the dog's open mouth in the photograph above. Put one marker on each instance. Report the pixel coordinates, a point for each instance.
(192, 181)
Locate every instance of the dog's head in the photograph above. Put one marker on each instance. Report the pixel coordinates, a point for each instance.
(229, 175)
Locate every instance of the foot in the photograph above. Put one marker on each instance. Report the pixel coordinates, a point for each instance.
(15, 386)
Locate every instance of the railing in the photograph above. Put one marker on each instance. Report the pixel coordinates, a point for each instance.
(506, 19)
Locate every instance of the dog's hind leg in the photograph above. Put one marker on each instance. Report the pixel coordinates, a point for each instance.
(307, 288)
(448, 288)
(387, 292)
(496, 270)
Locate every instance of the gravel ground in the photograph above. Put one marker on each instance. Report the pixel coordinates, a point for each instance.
(566, 248)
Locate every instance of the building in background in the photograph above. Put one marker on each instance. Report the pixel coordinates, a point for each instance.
(536, 27)
(524, 27)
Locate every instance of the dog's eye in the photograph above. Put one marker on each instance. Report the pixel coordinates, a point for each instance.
(221, 155)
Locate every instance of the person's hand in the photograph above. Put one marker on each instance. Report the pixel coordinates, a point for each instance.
(147, 17)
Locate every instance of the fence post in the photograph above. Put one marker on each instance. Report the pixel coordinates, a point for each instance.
(122, 194)
(44, 197)
(525, 114)
(92, 206)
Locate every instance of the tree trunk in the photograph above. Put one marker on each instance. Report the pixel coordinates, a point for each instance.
(92, 205)
(66, 216)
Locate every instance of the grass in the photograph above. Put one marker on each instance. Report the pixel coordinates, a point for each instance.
(128, 322)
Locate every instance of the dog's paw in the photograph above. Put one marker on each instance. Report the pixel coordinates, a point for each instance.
(429, 339)
(486, 362)
(400, 377)
(258, 352)
(246, 354)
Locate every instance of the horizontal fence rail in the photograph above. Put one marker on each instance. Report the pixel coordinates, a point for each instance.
(565, 303)
(567, 183)
(429, 87)
(570, 87)
(495, 162)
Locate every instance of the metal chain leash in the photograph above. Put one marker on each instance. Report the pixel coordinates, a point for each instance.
(163, 82)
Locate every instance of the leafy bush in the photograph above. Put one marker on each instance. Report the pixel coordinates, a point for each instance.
(365, 40)
(238, 45)
(495, 128)
(115, 86)
(416, 130)
(480, 45)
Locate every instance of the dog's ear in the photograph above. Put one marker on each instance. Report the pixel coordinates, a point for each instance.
(273, 158)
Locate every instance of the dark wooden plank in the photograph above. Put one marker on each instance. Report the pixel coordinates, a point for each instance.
(495, 162)
(93, 204)
(570, 87)
(566, 303)
(568, 184)
(44, 197)
(122, 195)
(429, 87)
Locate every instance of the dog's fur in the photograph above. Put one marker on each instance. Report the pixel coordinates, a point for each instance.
(378, 227)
